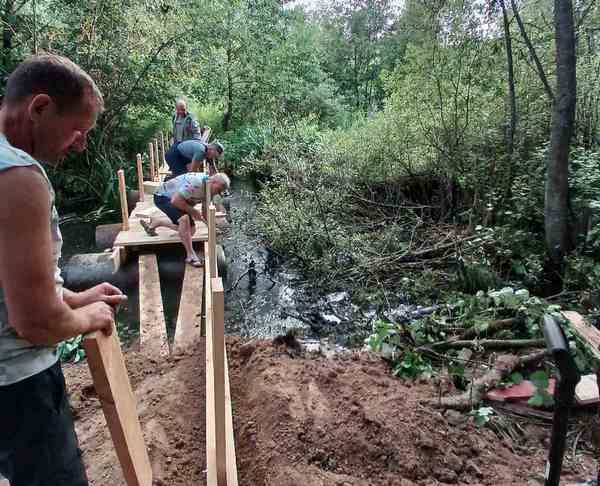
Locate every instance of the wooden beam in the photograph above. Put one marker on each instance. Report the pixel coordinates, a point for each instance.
(586, 332)
(187, 330)
(153, 330)
(232, 475)
(113, 388)
(212, 241)
(218, 350)
(140, 174)
(118, 256)
(123, 197)
(152, 167)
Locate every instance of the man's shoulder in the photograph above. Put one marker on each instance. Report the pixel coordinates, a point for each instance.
(13, 157)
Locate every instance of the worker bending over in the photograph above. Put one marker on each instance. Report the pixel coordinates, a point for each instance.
(176, 198)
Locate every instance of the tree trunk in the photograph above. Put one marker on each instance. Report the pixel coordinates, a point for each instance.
(512, 100)
(557, 184)
(532, 52)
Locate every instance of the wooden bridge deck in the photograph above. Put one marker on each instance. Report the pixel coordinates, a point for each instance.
(136, 236)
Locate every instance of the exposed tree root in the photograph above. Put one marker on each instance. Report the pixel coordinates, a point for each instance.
(504, 366)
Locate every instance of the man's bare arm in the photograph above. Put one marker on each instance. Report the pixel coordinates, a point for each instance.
(180, 203)
(35, 310)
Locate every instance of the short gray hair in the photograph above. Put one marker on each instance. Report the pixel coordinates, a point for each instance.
(181, 101)
(222, 178)
(56, 76)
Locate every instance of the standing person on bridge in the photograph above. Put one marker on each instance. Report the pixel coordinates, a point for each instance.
(49, 107)
(185, 126)
(189, 155)
(177, 198)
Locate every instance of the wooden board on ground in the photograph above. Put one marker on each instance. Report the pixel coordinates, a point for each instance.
(189, 317)
(113, 388)
(588, 333)
(211, 452)
(153, 330)
(586, 391)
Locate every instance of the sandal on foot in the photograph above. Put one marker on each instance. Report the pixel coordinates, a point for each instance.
(194, 262)
(150, 231)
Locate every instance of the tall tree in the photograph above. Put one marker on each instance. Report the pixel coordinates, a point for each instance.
(556, 210)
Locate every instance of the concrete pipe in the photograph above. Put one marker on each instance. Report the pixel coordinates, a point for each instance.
(106, 235)
(221, 262)
(86, 270)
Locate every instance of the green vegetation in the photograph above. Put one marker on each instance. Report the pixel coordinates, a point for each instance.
(405, 150)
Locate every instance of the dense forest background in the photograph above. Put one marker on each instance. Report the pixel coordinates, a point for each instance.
(401, 144)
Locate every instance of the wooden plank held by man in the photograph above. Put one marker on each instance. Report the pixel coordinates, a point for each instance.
(112, 385)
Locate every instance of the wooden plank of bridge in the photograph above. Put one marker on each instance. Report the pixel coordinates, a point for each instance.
(123, 197)
(140, 174)
(113, 388)
(153, 330)
(217, 336)
(588, 333)
(212, 243)
(187, 330)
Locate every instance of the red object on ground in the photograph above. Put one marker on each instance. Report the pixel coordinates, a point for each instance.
(517, 393)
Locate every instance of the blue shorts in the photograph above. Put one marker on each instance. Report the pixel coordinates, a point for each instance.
(177, 163)
(164, 204)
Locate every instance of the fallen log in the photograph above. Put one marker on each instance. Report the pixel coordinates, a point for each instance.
(498, 344)
(504, 366)
(492, 328)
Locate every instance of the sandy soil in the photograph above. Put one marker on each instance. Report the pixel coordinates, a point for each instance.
(306, 422)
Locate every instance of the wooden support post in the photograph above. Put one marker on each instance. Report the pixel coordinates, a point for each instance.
(187, 330)
(113, 388)
(119, 256)
(212, 241)
(218, 349)
(162, 147)
(123, 196)
(153, 329)
(140, 174)
(152, 168)
(206, 202)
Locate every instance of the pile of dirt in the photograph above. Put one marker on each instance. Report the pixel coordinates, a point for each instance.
(303, 421)
(170, 398)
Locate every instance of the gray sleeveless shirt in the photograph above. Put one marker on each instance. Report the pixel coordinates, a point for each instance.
(19, 359)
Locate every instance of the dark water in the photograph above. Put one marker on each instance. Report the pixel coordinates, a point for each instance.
(260, 289)
(257, 286)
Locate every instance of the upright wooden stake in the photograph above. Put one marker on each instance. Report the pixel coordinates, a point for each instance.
(218, 349)
(140, 174)
(206, 202)
(113, 388)
(152, 168)
(162, 146)
(123, 195)
(212, 240)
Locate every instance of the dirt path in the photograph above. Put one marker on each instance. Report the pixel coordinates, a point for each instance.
(305, 422)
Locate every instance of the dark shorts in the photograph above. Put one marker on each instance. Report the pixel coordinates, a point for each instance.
(177, 163)
(38, 445)
(164, 204)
